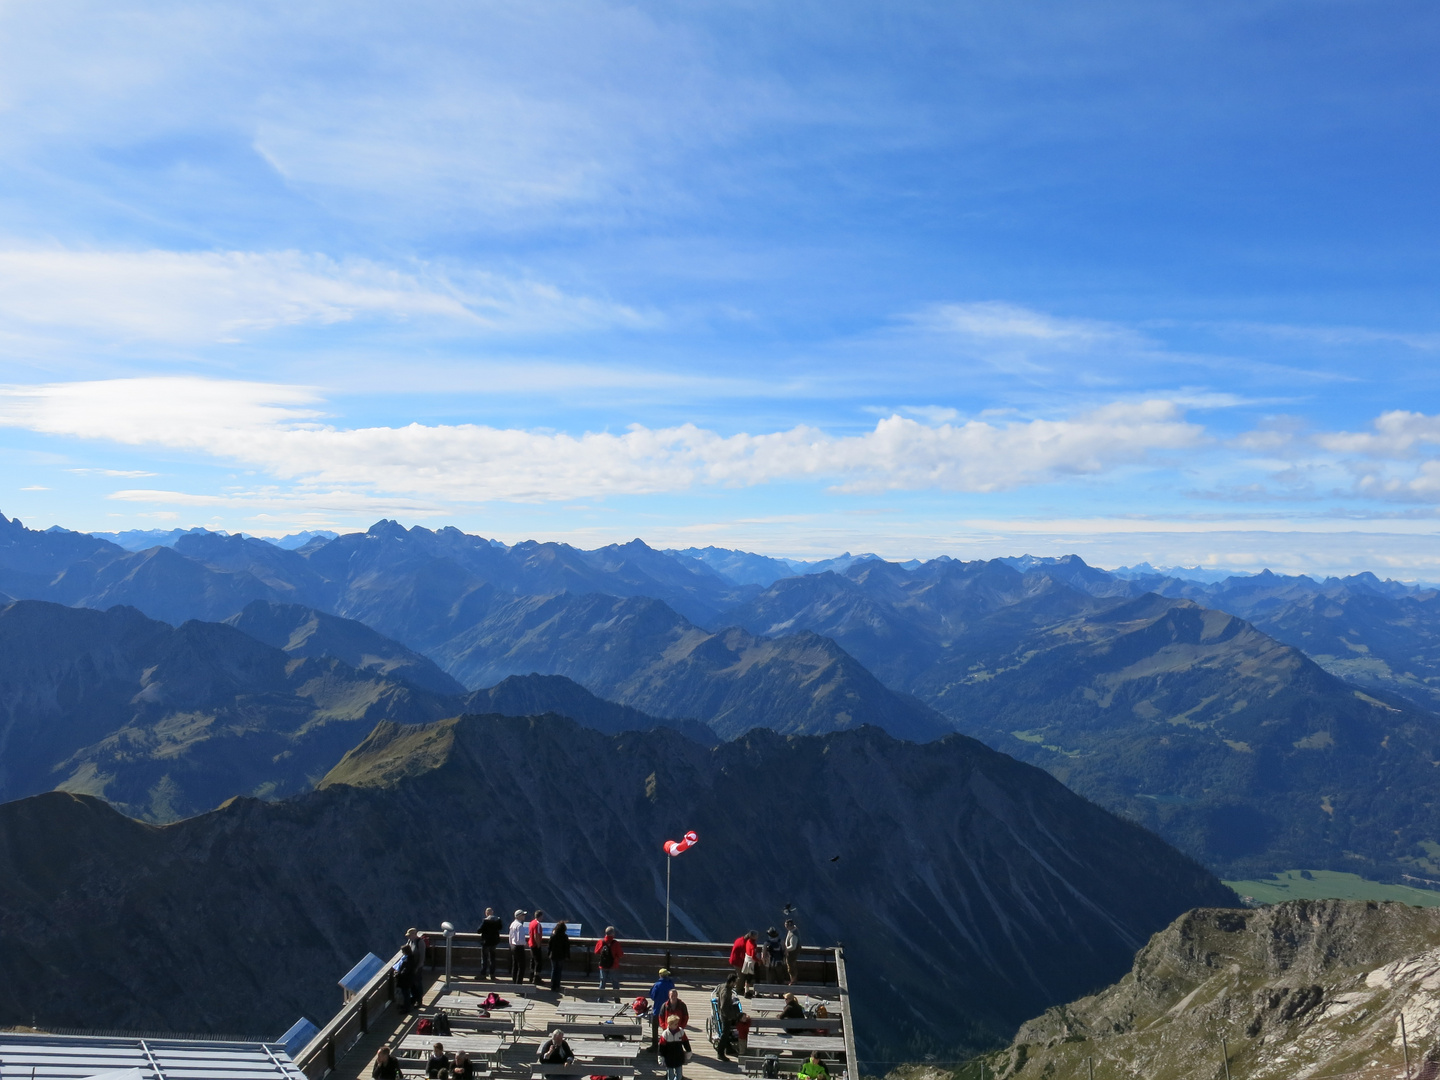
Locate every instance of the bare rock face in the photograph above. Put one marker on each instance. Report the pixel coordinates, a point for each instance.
(970, 891)
(1305, 988)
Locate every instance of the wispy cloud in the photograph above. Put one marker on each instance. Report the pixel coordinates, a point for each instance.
(280, 430)
(996, 322)
(174, 296)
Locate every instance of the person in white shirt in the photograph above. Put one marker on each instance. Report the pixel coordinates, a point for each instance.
(517, 947)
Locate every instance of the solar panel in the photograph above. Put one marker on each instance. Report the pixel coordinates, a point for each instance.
(85, 1057)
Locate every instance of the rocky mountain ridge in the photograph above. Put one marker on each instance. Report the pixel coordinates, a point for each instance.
(1303, 989)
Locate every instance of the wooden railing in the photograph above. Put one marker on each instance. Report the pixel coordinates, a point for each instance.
(348, 1025)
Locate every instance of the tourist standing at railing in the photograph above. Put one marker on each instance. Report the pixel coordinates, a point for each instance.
(742, 959)
(407, 978)
(774, 950)
(674, 1048)
(792, 950)
(536, 944)
(608, 954)
(517, 947)
(489, 932)
(559, 953)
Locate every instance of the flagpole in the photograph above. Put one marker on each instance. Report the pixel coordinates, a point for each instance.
(668, 861)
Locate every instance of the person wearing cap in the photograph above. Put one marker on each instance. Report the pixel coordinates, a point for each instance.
(535, 943)
(517, 947)
(659, 995)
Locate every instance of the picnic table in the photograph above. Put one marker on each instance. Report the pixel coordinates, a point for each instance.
(604, 1010)
(800, 1044)
(590, 1049)
(462, 1003)
(483, 1047)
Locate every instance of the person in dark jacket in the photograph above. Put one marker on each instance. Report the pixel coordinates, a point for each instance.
(555, 1050)
(489, 931)
(437, 1065)
(386, 1067)
(674, 1048)
(407, 977)
(559, 953)
(793, 1010)
(729, 1009)
(462, 1068)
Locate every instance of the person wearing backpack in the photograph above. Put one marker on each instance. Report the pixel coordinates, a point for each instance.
(559, 953)
(608, 954)
(489, 931)
(534, 942)
(517, 947)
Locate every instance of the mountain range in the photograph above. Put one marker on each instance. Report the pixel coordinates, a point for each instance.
(1259, 722)
(971, 890)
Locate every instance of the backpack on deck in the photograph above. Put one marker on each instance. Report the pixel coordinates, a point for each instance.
(771, 1068)
(425, 1026)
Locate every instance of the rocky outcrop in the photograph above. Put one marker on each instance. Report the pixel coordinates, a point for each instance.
(1305, 988)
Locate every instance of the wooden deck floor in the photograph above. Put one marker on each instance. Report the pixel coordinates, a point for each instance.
(391, 1024)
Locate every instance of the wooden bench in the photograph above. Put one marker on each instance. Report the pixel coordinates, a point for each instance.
(617, 1032)
(796, 1023)
(582, 1070)
(818, 990)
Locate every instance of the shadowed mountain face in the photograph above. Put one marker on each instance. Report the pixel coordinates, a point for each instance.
(640, 652)
(1008, 892)
(167, 721)
(302, 631)
(535, 695)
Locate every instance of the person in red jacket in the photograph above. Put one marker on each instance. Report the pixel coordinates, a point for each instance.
(608, 954)
(534, 939)
(742, 959)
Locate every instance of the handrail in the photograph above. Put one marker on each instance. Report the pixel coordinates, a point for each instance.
(354, 1017)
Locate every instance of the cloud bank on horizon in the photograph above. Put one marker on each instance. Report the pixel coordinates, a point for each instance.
(1142, 282)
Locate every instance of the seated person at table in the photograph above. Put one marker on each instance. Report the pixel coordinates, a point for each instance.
(813, 1069)
(386, 1067)
(438, 1063)
(555, 1050)
(464, 1068)
(673, 1007)
(792, 1009)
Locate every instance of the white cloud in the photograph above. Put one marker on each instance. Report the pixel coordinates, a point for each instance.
(1001, 323)
(207, 296)
(278, 429)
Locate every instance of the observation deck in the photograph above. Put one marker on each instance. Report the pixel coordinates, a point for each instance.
(607, 1037)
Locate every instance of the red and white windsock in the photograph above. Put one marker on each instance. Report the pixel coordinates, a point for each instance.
(675, 847)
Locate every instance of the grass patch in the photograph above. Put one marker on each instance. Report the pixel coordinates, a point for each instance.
(1329, 885)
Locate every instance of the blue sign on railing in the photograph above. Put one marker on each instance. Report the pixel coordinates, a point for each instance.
(298, 1037)
(356, 978)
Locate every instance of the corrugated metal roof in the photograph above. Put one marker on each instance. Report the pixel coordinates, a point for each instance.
(79, 1057)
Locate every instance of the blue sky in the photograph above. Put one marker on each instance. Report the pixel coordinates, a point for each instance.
(1137, 280)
